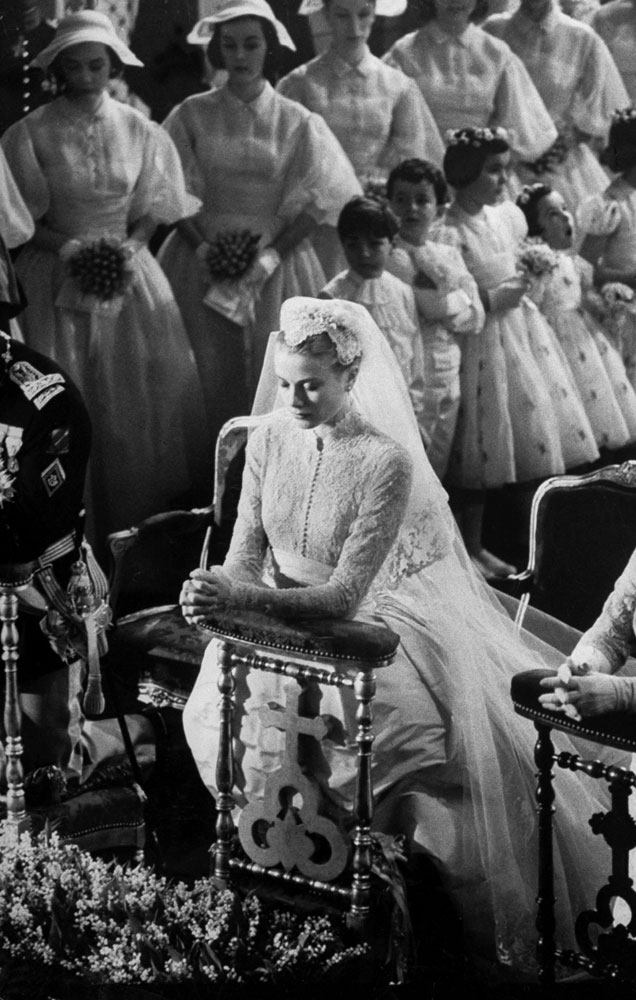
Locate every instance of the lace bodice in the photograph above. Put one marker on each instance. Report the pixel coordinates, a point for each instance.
(377, 113)
(612, 633)
(570, 67)
(332, 501)
(93, 174)
(259, 164)
(474, 79)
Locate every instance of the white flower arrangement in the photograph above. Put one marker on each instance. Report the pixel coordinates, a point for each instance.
(618, 296)
(474, 136)
(6, 484)
(65, 911)
(536, 259)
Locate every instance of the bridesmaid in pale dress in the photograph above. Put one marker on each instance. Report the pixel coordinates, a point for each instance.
(90, 168)
(262, 163)
(579, 83)
(377, 113)
(469, 78)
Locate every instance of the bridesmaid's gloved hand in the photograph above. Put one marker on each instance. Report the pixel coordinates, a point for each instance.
(507, 295)
(203, 593)
(590, 694)
(68, 249)
(262, 268)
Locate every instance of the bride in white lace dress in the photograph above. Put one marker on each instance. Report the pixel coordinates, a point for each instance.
(357, 525)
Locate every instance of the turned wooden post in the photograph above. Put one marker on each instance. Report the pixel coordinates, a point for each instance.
(17, 818)
(544, 756)
(364, 690)
(225, 767)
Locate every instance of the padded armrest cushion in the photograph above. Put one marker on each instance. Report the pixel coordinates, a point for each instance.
(616, 729)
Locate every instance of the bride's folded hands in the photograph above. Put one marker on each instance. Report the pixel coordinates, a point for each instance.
(205, 591)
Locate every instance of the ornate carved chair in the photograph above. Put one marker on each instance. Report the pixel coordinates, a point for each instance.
(582, 532)
(285, 837)
(605, 949)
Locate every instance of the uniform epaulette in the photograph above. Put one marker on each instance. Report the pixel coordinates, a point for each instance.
(38, 388)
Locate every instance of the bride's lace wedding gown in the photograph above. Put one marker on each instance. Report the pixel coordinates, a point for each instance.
(321, 523)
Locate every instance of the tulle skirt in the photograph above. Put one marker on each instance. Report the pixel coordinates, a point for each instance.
(592, 379)
(578, 445)
(453, 766)
(507, 429)
(138, 379)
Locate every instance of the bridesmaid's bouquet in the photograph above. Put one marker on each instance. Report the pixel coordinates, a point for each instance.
(231, 252)
(618, 298)
(101, 269)
(536, 259)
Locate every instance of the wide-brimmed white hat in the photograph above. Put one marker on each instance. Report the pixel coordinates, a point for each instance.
(85, 26)
(227, 10)
(383, 8)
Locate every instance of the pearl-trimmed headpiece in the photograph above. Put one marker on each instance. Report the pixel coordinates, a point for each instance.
(302, 318)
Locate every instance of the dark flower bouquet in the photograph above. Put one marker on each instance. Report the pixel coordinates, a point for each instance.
(101, 269)
(553, 157)
(231, 252)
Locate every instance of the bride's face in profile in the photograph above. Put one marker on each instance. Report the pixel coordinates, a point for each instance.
(313, 387)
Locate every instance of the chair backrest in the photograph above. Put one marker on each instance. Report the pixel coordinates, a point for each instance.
(582, 533)
(150, 561)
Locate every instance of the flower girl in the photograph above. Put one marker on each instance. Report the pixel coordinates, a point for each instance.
(599, 373)
(446, 295)
(509, 429)
(366, 229)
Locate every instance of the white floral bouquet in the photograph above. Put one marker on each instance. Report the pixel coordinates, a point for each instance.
(6, 484)
(65, 913)
(618, 297)
(230, 253)
(536, 259)
(101, 268)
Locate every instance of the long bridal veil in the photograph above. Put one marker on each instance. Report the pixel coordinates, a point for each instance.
(453, 764)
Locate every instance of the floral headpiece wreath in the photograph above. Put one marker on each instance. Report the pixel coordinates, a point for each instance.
(530, 191)
(304, 318)
(475, 137)
(624, 115)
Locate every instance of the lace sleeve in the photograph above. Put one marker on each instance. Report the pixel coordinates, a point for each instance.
(244, 560)
(613, 631)
(367, 545)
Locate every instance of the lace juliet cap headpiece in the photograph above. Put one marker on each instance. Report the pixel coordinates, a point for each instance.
(228, 10)
(475, 136)
(302, 318)
(85, 26)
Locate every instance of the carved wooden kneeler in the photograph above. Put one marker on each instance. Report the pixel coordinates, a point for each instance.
(285, 835)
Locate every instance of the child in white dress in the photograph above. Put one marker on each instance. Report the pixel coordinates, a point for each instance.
(608, 221)
(508, 429)
(366, 229)
(446, 296)
(598, 370)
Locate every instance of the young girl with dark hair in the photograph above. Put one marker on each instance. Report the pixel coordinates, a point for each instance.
(446, 296)
(366, 229)
(512, 427)
(597, 368)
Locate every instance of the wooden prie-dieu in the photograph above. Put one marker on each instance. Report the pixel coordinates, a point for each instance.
(286, 836)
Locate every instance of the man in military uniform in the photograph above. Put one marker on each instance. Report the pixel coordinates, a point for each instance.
(62, 593)
(24, 32)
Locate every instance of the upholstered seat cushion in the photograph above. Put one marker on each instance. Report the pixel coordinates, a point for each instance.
(327, 639)
(100, 820)
(616, 729)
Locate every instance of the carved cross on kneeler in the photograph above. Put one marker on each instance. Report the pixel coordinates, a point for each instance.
(272, 830)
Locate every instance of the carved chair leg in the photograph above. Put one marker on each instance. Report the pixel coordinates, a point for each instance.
(364, 690)
(225, 769)
(544, 757)
(17, 818)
